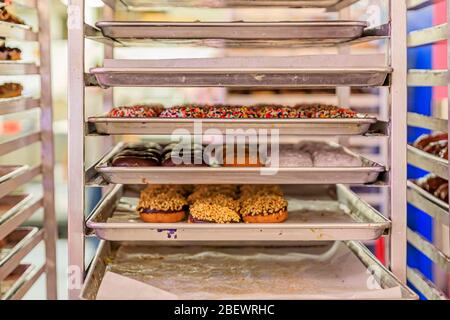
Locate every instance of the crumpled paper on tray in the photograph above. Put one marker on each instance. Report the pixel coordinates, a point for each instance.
(139, 273)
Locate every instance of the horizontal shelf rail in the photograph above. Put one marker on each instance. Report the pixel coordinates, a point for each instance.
(427, 78)
(428, 206)
(8, 68)
(18, 104)
(428, 36)
(426, 122)
(20, 217)
(21, 288)
(23, 177)
(419, 4)
(18, 143)
(133, 5)
(429, 250)
(428, 162)
(17, 32)
(22, 248)
(426, 287)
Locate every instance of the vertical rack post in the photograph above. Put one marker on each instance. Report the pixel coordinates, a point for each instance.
(47, 148)
(108, 94)
(398, 139)
(76, 147)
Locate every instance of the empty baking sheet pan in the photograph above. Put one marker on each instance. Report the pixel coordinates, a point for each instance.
(339, 270)
(368, 173)
(343, 217)
(139, 5)
(284, 72)
(234, 34)
(15, 280)
(160, 126)
(15, 246)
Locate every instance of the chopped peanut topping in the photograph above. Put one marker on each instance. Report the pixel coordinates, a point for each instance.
(213, 213)
(263, 205)
(169, 201)
(221, 200)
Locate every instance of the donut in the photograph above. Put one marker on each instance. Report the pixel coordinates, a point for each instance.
(183, 112)
(436, 147)
(264, 209)
(157, 205)
(271, 218)
(10, 90)
(426, 139)
(136, 111)
(134, 161)
(442, 192)
(226, 112)
(322, 111)
(444, 153)
(205, 211)
(430, 183)
(163, 217)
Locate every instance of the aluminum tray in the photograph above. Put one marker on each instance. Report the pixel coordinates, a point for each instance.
(234, 34)
(12, 68)
(284, 72)
(11, 207)
(428, 203)
(18, 244)
(12, 177)
(14, 279)
(17, 284)
(139, 5)
(427, 195)
(159, 126)
(368, 173)
(17, 104)
(319, 287)
(345, 218)
(17, 31)
(428, 162)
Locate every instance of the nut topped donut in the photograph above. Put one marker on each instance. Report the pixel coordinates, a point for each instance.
(159, 205)
(264, 209)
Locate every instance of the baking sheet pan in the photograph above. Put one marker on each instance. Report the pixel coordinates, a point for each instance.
(309, 71)
(428, 162)
(345, 218)
(17, 278)
(340, 270)
(11, 204)
(159, 126)
(368, 173)
(15, 247)
(412, 185)
(138, 5)
(234, 34)
(429, 204)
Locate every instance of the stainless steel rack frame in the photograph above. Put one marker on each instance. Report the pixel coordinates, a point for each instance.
(16, 279)
(419, 198)
(391, 71)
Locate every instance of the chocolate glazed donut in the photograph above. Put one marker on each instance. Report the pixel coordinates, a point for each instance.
(134, 161)
(425, 140)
